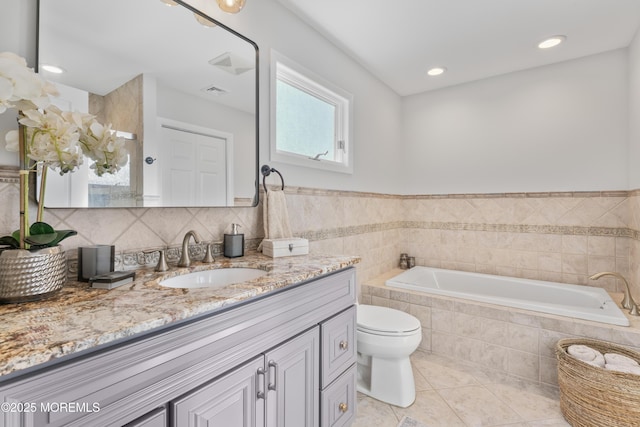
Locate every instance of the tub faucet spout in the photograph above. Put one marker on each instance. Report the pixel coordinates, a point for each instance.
(185, 260)
(627, 301)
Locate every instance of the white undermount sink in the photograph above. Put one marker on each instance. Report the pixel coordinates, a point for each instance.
(212, 279)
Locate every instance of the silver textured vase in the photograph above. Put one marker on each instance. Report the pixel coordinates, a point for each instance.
(31, 275)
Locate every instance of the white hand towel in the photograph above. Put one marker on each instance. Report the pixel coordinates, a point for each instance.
(619, 359)
(627, 369)
(275, 216)
(586, 354)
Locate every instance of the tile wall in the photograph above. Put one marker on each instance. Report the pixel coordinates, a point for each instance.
(551, 236)
(562, 237)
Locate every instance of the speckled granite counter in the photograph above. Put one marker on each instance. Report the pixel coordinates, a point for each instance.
(79, 318)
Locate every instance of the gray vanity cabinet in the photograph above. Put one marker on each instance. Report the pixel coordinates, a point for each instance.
(255, 394)
(209, 370)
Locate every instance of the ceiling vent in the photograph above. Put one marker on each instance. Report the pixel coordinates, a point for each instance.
(215, 90)
(232, 63)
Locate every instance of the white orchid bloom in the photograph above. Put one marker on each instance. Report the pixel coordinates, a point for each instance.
(20, 87)
(52, 139)
(58, 139)
(12, 138)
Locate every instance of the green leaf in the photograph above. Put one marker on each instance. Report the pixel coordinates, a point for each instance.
(9, 241)
(41, 239)
(41, 228)
(61, 235)
(42, 235)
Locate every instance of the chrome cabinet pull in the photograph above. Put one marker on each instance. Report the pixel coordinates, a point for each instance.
(260, 373)
(274, 365)
(344, 345)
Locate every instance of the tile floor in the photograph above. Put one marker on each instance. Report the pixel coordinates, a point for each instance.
(451, 395)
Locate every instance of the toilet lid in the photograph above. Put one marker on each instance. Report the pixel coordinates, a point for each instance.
(385, 320)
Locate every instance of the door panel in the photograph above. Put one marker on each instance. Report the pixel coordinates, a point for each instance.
(194, 169)
(293, 377)
(230, 401)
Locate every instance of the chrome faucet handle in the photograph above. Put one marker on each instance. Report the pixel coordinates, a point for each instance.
(162, 260)
(208, 256)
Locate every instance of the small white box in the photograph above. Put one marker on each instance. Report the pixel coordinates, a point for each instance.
(276, 248)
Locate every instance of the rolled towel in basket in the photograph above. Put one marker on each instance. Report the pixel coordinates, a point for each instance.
(627, 369)
(586, 354)
(619, 359)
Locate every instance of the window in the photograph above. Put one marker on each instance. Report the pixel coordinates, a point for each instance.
(310, 119)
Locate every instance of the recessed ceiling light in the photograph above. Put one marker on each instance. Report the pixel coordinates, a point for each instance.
(52, 69)
(436, 71)
(551, 42)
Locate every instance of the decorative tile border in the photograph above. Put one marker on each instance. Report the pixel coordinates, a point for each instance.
(9, 174)
(459, 226)
(524, 228)
(149, 257)
(336, 233)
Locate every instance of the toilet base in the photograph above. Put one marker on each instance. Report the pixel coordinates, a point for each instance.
(388, 380)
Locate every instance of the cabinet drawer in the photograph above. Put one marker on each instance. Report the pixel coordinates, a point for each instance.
(338, 344)
(338, 401)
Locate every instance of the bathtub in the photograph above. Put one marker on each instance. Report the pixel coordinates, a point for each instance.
(581, 302)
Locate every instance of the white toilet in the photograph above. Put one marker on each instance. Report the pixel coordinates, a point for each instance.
(386, 338)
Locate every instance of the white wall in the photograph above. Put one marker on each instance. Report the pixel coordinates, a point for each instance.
(17, 34)
(377, 108)
(267, 23)
(562, 127)
(634, 113)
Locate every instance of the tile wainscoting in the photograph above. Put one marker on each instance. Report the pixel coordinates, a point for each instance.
(549, 236)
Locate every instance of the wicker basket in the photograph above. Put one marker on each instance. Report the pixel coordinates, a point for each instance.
(597, 397)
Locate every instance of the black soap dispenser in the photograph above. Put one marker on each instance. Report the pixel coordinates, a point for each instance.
(234, 243)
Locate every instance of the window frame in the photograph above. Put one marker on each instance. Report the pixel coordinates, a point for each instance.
(295, 75)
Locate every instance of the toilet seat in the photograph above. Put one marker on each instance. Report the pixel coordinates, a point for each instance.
(386, 321)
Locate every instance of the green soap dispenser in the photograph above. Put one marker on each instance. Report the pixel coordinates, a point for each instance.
(234, 243)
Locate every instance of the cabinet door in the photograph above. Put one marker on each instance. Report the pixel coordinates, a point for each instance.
(157, 418)
(293, 382)
(233, 400)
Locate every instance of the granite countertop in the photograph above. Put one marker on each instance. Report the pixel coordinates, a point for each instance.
(79, 318)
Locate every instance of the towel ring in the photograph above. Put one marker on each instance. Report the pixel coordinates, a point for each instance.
(266, 171)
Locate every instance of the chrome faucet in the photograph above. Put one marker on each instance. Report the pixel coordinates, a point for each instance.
(627, 301)
(185, 261)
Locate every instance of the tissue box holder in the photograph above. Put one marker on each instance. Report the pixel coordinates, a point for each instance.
(276, 248)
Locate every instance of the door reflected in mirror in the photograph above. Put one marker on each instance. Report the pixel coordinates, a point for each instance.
(184, 95)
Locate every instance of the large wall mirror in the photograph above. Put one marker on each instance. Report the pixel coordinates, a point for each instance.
(180, 87)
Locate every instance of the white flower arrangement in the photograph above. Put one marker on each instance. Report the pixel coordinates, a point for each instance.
(52, 138)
